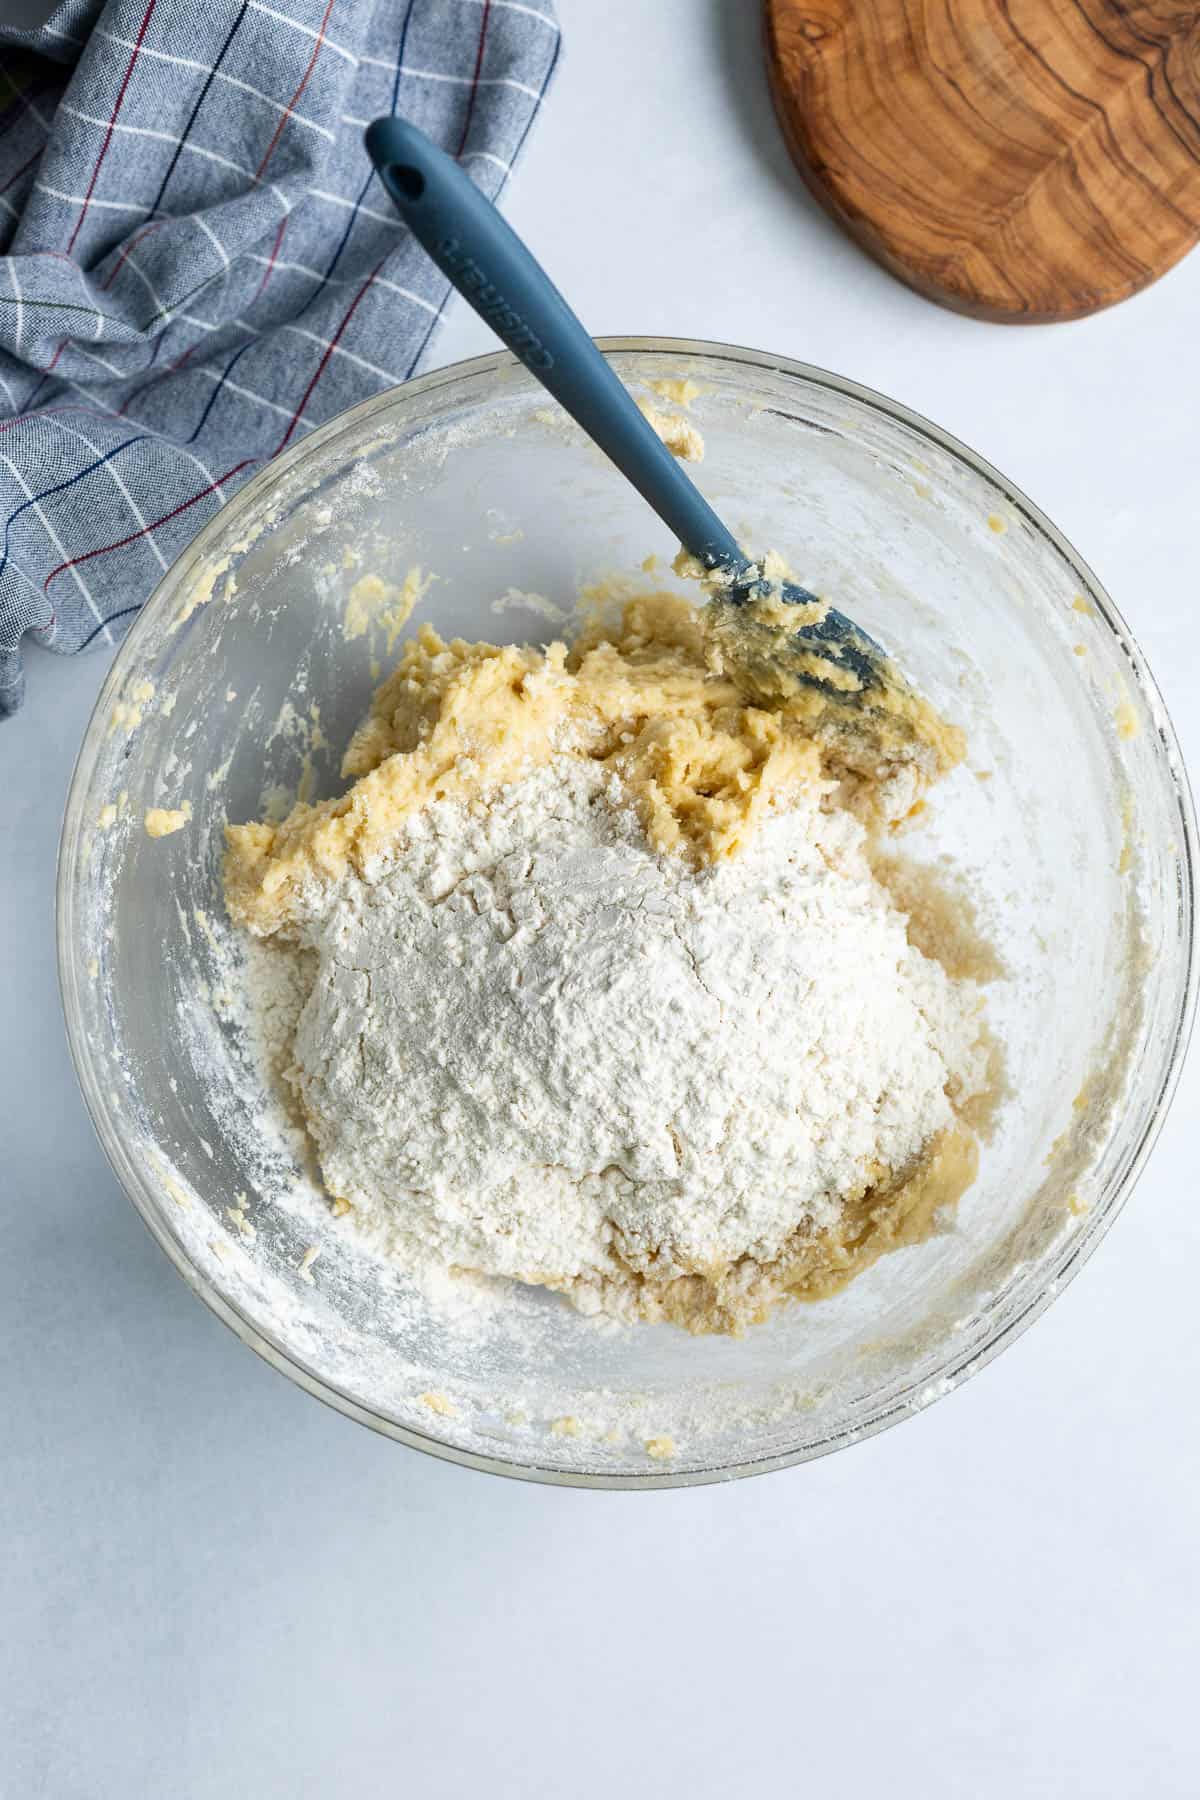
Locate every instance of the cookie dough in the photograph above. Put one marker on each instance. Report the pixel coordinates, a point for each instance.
(666, 700)
(163, 821)
(708, 733)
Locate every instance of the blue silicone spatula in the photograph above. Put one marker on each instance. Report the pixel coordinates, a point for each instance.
(489, 265)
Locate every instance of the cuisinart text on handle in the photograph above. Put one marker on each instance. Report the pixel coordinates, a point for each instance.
(492, 305)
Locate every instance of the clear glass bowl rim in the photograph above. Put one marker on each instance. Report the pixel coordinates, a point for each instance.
(1008, 1323)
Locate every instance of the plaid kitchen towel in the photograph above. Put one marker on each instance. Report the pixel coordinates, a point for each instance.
(199, 266)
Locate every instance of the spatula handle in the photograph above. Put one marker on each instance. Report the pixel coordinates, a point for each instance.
(491, 268)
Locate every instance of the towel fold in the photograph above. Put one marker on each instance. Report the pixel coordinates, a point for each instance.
(199, 265)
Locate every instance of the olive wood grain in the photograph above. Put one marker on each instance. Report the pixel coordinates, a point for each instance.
(1018, 160)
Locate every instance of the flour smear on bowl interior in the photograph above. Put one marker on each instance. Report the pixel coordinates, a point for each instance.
(593, 978)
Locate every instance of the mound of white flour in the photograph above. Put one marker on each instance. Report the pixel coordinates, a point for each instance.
(534, 1048)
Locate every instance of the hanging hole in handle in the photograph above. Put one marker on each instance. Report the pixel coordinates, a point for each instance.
(410, 181)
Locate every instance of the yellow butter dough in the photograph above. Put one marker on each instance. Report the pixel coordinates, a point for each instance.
(674, 705)
(659, 699)
(162, 821)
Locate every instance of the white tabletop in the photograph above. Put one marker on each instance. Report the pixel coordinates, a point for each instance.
(211, 1586)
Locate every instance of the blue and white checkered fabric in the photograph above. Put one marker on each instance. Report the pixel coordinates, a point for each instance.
(200, 266)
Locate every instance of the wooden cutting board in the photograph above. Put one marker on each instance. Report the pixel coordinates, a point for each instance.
(1019, 160)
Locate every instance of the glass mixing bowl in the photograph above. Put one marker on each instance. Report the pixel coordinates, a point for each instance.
(1071, 818)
